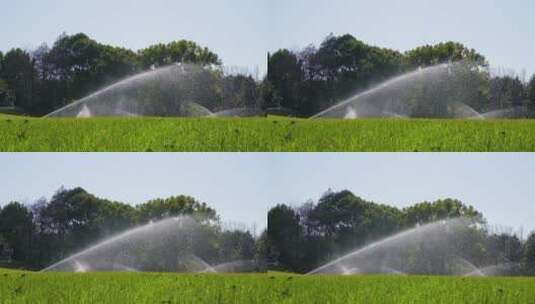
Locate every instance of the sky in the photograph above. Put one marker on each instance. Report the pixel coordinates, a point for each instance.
(243, 187)
(243, 31)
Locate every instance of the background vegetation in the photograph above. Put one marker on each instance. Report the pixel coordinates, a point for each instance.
(313, 79)
(50, 230)
(298, 83)
(304, 237)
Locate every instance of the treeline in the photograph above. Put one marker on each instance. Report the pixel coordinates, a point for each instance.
(299, 83)
(310, 80)
(305, 237)
(39, 81)
(50, 230)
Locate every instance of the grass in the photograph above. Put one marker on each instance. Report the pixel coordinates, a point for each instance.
(263, 134)
(21, 287)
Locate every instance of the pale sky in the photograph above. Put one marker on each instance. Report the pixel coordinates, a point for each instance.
(243, 187)
(243, 31)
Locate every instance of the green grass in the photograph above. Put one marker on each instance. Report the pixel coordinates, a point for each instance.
(263, 134)
(19, 287)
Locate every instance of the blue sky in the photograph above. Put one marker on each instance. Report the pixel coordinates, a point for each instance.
(242, 31)
(243, 187)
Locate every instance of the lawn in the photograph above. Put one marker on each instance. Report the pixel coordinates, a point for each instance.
(19, 287)
(263, 134)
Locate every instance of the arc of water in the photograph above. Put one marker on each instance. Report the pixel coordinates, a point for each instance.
(382, 242)
(120, 83)
(379, 87)
(111, 240)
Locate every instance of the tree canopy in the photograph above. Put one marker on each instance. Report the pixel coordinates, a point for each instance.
(49, 230)
(314, 79)
(46, 79)
(303, 237)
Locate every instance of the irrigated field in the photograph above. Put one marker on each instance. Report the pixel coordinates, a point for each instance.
(263, 134)
(18, 287)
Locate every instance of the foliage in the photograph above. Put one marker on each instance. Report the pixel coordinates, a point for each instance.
(298, 83)
(529, 254)
(442, 53)
(531, 93)
(48, 78)
(174, 206)
(19, 73)
(73, 219)
(304, 237)
(312, 80)
(16, 228)
(176, 51)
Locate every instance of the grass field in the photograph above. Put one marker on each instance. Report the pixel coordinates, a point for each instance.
(263, 134)
(19, 287)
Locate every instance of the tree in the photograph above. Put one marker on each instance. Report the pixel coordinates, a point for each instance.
(73, 60)
(427, 212)
(238, 91)
(183, 51)
(314, 79)
(175, 206)
(16, 227)
(19, 73)
(506, 92)
(6, 98)
(442, 53)
(236, 245)
(75, 219)
(531, 95)
(82, 65)
(284, 236)
(529, 254)
(286, 77)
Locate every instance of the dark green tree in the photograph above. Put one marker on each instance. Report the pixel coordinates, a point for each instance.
(427, 212)
(19, 73)
(529, 255)
(175, 206)
(183, 51)
(286, 76)
(16, 228)
(530, 94)
(284, 235)
(441, 53)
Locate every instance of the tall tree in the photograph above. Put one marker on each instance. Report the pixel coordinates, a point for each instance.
(16, 228)
(284, 235)
(19, 72)
(531, 95)
(529, 254)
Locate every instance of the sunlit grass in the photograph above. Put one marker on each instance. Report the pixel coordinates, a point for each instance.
(19, 287)
(263, 134)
